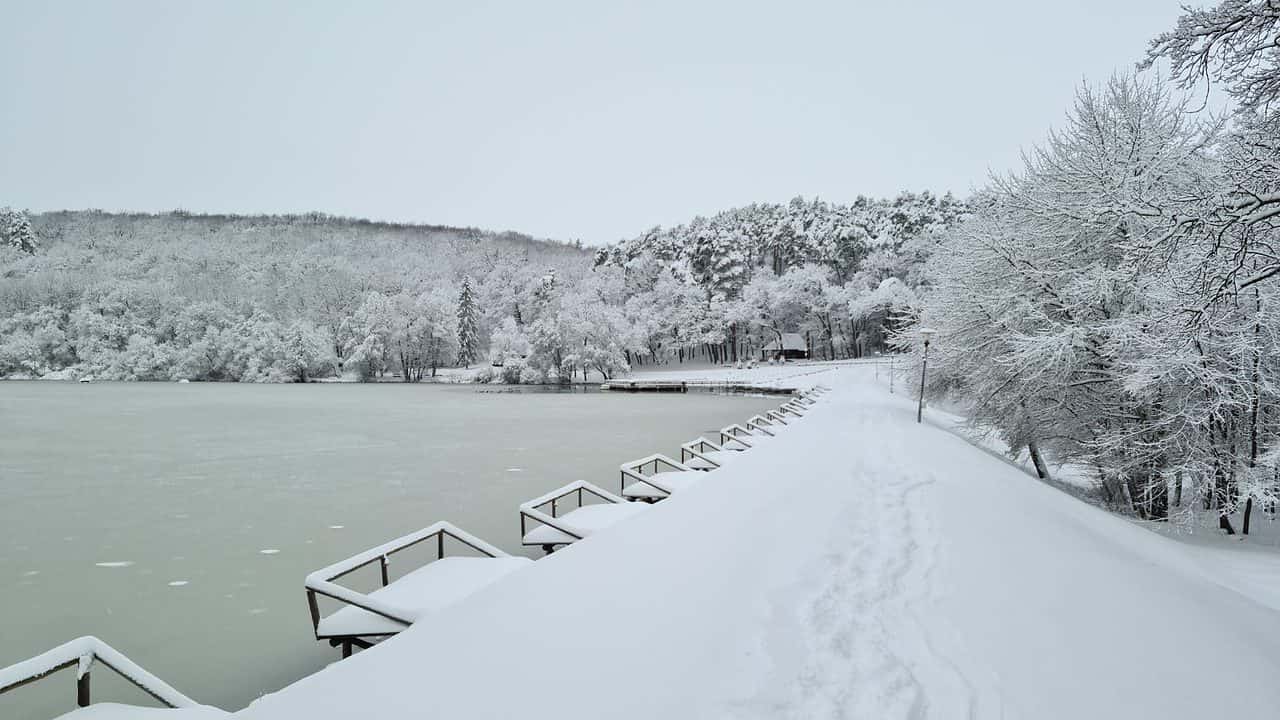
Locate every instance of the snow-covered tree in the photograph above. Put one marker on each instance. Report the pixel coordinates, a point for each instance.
(305, 351)
(15, 230)
(1233, 42)
(468, 329)
(1038, 296)
(373, 330)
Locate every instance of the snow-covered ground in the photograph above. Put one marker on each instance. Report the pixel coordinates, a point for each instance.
(794, 374)
(860, 566)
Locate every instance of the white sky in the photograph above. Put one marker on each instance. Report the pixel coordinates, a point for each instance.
(590, 120)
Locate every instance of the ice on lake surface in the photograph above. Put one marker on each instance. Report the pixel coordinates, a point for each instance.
(177, 521)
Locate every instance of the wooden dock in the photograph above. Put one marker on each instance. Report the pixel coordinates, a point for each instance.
(684, 387)
(646, 386)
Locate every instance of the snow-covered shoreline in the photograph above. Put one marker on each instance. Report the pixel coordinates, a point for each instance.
(764, 375)
(860, 566)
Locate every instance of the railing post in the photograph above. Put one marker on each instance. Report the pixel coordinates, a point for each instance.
(382, 561)
(315, 609)
(82, 690)
(440, 545)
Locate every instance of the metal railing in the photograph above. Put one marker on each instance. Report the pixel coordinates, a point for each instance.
(83, 653)
(321, 582)
(734, 437)
(633, 471)
(792, 410)
(777, 416)
(700, 448)
(535, 509)
(760, 423)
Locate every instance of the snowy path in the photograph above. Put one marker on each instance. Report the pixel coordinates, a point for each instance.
(861, 566)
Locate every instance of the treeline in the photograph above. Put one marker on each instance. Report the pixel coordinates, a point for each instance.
(280, 298)
(729, 284)
(1115, 303)
(264, 298)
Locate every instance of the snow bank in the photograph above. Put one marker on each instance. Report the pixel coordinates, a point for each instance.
(116, 711)
(857, 565)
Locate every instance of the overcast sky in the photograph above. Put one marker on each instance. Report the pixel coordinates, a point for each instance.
(589, 120)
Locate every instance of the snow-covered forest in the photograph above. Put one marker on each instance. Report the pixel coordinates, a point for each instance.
(157, 297)
(278, 298)
(1115, 303)
(733, 282)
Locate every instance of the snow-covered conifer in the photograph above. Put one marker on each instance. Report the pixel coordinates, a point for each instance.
(468, 329)
(16, 231)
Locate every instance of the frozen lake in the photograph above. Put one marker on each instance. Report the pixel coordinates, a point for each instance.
(177, 522)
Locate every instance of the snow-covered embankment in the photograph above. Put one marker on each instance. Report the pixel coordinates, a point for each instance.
(859, 566)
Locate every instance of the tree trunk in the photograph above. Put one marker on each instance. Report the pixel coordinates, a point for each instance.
(1157, 497)
(1222, 499)
(1042, 468)
(1253, 411)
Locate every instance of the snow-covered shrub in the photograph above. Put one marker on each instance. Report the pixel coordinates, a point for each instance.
(530, 375)
(508, 342)
(512, 370)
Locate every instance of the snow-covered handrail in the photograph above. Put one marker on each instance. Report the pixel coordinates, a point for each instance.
(731, 438)
(700, 448)
(321, 582)
(792, 409)
(777, 416)
(82, 653)
(741, 434)
(759, 423)
(532, 510)
(633, 470)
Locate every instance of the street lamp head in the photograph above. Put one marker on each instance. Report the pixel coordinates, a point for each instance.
(927, 333)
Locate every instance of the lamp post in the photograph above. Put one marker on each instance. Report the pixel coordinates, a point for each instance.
(925, 333)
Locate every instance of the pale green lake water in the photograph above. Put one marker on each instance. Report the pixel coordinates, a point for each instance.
(179, 488)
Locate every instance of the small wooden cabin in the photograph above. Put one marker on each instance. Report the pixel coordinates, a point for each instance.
(793, 348)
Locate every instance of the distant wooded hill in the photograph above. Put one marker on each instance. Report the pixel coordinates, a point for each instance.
(99, 281)
(268, 260)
